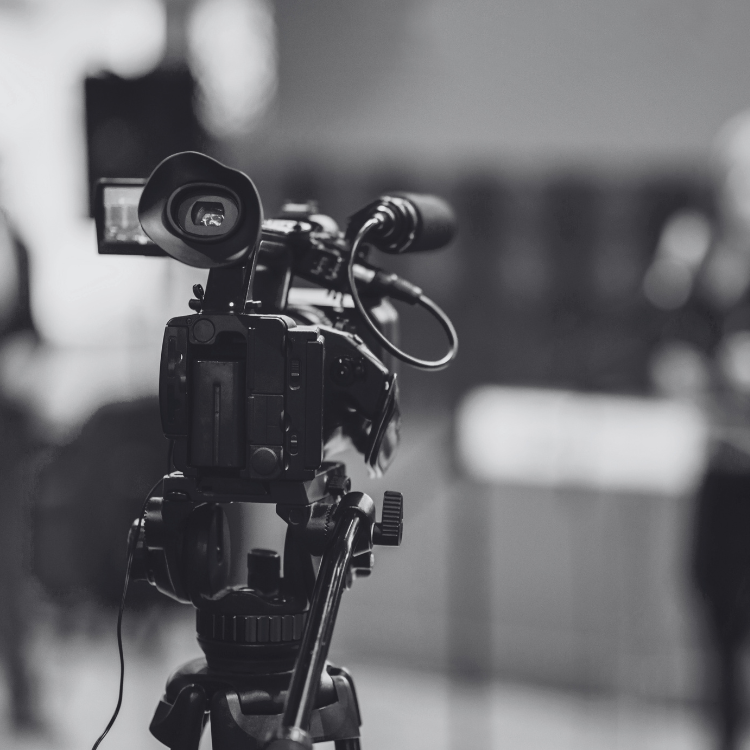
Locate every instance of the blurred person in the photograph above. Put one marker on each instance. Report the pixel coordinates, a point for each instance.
(19, 452)
(700, 278)
(88, 494)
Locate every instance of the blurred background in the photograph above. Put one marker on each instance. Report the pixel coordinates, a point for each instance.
(575, 570)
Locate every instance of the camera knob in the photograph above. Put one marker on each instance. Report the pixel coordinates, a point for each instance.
(388, 532)
(197, 303)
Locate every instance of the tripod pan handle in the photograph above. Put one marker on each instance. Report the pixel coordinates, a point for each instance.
(356, 511)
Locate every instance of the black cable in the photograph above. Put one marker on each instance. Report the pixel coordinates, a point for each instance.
(131, 552)
(251, 282)
(421, 299)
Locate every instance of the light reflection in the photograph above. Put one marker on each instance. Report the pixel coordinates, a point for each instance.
(535, 437)
(134, 36)
(232, 46)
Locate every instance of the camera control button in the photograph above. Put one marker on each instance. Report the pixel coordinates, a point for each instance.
(203, 331)
(293, 444)
(264, 461)
(295, 374)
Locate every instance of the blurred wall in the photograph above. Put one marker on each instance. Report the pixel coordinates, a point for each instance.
(567, 587)
(565, 134)
(592, 81)
(464, 99)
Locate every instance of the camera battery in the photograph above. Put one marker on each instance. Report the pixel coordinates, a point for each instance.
(216, 419)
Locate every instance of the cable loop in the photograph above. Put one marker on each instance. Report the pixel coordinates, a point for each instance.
(424, 301)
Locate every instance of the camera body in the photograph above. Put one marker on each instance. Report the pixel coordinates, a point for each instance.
(243, 394)
(260, 391)
(260, 397)
(266, 380)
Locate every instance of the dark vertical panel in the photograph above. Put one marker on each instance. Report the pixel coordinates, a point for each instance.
(570, 211)
(569, 225)
(477, 314)
(481, 206)
(616, 350)
(132, 124)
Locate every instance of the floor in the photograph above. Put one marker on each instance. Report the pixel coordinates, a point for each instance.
(401, 708)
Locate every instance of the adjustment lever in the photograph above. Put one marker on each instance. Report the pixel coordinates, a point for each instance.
(197, 303)
(388, 532)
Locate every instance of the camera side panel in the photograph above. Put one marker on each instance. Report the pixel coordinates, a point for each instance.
(242, 396)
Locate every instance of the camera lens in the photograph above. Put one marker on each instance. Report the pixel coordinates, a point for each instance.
(204, 211)
(200, 212)
(208, 214)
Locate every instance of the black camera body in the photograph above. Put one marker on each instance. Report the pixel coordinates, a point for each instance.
(258, 389)
(259, 396)
(244, 394)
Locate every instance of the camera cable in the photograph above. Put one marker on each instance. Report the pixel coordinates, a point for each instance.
(132, 544)
(393, 286)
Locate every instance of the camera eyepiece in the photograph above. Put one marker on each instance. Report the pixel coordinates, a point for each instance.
(207, 212)
(200, 212)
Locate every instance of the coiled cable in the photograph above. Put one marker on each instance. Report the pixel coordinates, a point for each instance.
(417, 297)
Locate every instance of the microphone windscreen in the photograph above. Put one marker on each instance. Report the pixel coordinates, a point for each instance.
(437, 221)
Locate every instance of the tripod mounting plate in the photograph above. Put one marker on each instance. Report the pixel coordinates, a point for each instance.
(241, 490)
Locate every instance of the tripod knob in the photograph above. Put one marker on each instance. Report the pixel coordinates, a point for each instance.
(388, 532)
(264, 570)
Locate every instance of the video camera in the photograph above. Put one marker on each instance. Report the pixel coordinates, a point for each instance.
(260, 382)
(258, 388)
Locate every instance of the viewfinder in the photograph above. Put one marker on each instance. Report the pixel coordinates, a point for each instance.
(204, 212)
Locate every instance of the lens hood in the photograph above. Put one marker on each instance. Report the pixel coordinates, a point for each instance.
(200, 212)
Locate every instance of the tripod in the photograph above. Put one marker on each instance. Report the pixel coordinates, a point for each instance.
(254, 392)
(264, 681)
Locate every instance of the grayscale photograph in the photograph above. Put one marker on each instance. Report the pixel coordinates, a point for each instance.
(374, 375)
